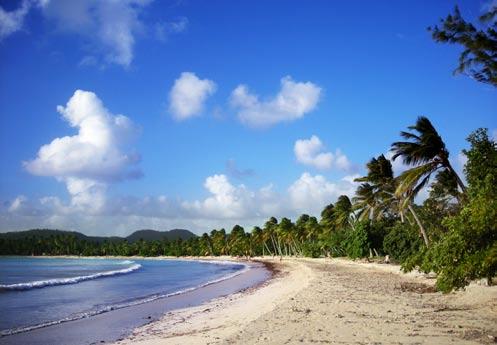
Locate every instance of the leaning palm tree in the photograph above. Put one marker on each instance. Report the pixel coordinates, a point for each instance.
(377, 196)
(365, 202)
(344, 213)
(426, 152)
(374, 197)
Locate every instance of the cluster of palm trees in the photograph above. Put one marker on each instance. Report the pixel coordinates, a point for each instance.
(380, 196)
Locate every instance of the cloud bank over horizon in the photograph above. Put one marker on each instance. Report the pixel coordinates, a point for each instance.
(226, 205)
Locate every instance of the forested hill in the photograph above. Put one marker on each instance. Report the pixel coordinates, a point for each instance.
(146, 235)
(154, 235)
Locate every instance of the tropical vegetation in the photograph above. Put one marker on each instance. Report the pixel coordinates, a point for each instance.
(452, 233)
(430, 217)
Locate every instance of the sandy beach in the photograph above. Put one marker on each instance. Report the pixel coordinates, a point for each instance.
(333, 301)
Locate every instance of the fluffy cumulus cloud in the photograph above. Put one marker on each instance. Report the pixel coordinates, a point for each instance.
(188, 95)
(226, 200)
(293, 101)
(311, 193)
(90, 159)
(312, 152)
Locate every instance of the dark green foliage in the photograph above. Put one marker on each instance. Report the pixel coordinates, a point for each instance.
(154, 235)
(358, 243)
(377, 232)
(479, 58)
(482, 159)
(312, 249)
(402, 242)
(425, 150)
(469, 249)
(333, 244)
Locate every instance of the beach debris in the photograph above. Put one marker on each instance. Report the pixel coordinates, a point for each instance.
(417, 287)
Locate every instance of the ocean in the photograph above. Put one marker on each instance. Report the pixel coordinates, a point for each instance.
(41, 292)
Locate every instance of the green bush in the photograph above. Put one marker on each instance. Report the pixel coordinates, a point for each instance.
(469, 250)
(358, 243)
(402, 242)
(311, 249)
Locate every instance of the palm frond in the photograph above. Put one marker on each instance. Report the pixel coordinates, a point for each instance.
(408, 180)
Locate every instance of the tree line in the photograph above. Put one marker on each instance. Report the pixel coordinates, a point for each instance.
(452, 233)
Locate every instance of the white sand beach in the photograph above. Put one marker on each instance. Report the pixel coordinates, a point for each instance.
(333, 301)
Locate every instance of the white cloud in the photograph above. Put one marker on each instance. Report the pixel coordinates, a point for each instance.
(95, 152)
(226, 200)
(188, 95)
(226, 205)
(493, 135)
(311, 152)
(293, 101)
(110, 26)
(311, 193)
(11, 22)
(87, 161)
(17, 204)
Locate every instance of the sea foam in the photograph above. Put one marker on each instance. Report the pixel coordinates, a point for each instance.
(107, 308)
(64, 281)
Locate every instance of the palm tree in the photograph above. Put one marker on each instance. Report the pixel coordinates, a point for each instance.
(426, 152)
(377, 196)
(366, 202)
(270, 228)
(344, 212)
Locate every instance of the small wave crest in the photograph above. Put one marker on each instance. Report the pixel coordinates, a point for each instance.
(64, 281)
(107, 308)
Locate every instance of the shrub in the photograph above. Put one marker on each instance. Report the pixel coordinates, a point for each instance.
(402, 242)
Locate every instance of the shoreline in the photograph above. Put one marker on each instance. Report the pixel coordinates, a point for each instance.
(222, 317)
(116, 323)
(333, 301)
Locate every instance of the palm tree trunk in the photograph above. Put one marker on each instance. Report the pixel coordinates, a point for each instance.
(267, 248)
(458, 179)
(421, 227)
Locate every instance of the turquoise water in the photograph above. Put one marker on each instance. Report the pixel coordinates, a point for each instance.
(37, 292)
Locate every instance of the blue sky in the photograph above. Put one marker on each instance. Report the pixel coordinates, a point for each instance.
(234, 110)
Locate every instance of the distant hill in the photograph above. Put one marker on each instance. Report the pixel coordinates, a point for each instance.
(153, 235)
(146, 235)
